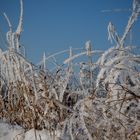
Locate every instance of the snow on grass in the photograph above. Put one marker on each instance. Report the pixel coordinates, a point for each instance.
(15, 132)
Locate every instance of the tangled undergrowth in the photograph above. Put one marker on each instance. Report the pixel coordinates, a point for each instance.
(97, 101)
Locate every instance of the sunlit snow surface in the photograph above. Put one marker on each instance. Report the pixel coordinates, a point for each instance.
(15, 132)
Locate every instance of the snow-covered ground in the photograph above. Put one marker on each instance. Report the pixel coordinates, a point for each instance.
(15, 132)
(8, 132)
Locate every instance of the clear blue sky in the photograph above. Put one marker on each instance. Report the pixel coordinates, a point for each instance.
(54, 25)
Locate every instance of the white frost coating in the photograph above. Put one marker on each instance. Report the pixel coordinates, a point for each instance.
(9, 33)
(88, 47)
(19, 27)
(132, 19)
(8, 21)
(13, 37)
(110, 29)
(44, 61)
(83, 123)
(112, 34)
(68, 103)
(80, 54)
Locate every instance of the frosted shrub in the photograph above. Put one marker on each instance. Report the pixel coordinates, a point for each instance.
(94, 101)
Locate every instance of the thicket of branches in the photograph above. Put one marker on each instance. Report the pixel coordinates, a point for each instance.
(97, 100)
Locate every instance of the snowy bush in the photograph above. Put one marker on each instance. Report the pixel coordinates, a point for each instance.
(94, 101)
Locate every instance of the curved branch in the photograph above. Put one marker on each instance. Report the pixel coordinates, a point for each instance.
(19, 28)
(8, 21)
